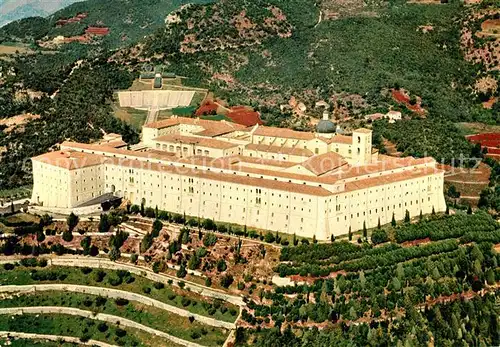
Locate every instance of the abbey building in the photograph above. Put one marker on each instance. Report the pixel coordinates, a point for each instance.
(309, 183)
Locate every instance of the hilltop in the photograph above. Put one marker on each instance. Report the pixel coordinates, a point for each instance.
(129, 21)
(11, 10)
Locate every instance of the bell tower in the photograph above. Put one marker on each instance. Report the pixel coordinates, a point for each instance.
(362, 146)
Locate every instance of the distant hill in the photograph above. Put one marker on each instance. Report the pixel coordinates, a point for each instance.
(11, 10)
(128, 20)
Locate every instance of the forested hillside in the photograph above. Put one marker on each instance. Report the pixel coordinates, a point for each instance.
(352, 60)
(11, 10)
(129, 20)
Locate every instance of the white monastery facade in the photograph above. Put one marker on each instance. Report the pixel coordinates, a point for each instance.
(308, 183)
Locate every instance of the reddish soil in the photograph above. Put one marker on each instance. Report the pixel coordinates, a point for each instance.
(243, 115)
(491, 25)
(401, 97)
(416, 242)
(75, 19)
(490, 141)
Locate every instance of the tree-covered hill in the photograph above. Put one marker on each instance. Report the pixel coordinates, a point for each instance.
(129, 20)
(352, 61)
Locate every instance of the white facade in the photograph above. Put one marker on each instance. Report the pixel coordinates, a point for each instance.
(274, 179)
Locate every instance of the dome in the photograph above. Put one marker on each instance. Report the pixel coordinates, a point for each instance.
(326, 127)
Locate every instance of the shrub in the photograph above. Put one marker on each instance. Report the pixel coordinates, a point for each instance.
(185, 302)
(269, 238)
(226, 280)
(208, 282)
(209, 239)
(159, 285)
(379, 236)
(100, 301)
(120, 332)
(67, 236)
(133, 258)
(233, 312)
(146, 289)
(8, 266)
(86, 270)
(42, 262)
(121, 302)
(29, 262)
(195, 335)
(99, 276)
(171, 296)
(102, 327)
(115, 281)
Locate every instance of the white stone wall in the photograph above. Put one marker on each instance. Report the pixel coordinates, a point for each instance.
(51, 185)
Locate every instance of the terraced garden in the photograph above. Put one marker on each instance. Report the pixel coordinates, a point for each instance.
(181, 327)
(123, 280)
(83, 328)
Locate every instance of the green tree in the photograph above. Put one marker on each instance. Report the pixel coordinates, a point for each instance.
(114, 254)
(393, 221)
(104, 223)
(407, 216)
(72, 221)
(86, 243)
(349, 235)
(365, 232)
(67, 236)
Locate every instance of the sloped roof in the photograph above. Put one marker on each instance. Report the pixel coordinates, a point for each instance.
(210, 127)
(284, 133)
(200, 141)
(70, 160)
(323, 163)
(279, 150)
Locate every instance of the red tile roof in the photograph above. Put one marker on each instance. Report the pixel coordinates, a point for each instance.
(323, 163)
(69, 160)
(200, 141)
(211, 127)
(284, 133)
(279, 150)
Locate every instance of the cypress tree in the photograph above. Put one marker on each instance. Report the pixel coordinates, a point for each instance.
(365, 232)
(350, 234)
(447, 209)
(393, 221)
(407, 216)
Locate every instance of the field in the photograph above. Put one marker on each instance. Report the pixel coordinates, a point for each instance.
(132, 116)
(13, 48)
